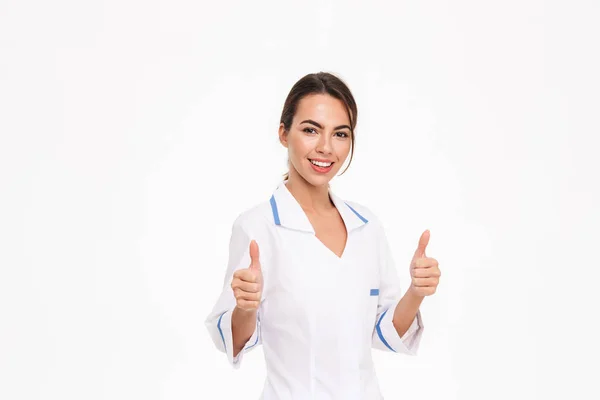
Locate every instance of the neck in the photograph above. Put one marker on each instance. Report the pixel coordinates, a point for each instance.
(310, 197)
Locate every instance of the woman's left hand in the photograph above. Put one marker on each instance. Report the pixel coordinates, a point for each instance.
(424, 271)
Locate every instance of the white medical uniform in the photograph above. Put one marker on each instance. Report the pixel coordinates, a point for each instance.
(320, 314)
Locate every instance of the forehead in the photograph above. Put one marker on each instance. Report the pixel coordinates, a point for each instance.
(322, 108)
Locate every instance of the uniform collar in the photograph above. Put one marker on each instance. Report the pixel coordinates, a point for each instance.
(287, 211)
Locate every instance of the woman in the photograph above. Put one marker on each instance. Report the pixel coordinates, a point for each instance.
(323, 290)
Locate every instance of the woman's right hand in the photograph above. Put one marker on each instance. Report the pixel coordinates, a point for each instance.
(247, 284)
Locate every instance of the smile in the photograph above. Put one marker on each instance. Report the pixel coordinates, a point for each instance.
(321, 167)
(320, 163)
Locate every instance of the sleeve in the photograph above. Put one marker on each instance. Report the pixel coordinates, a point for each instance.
(385, 336)
(218, 321)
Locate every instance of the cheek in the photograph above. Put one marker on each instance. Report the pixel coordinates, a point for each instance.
(342, 148)
(299, 147)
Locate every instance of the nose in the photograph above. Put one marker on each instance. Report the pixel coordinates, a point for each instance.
(324, 145)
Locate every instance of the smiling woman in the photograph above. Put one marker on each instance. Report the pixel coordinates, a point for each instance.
(320, 105)
(323, 290)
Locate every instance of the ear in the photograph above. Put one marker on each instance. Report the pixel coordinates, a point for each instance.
(283, 135)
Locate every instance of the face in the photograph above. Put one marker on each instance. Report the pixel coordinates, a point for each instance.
(319, 139)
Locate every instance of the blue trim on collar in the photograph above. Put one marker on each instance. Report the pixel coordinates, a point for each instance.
(274, 209)
(357, 214)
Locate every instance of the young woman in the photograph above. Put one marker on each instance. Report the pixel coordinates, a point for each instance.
(323, 290)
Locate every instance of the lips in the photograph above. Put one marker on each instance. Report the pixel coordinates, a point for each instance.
(320, 163)
(321, 166)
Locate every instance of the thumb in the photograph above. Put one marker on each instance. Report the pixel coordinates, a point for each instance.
(423, 241)
(254, 256)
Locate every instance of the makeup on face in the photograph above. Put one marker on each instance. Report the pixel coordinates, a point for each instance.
(320, 137)
(321, 166)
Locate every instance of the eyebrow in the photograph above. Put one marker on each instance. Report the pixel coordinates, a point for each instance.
(310, 121)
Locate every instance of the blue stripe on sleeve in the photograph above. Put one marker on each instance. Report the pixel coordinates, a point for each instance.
(221, 331)
(256, 341)
(381, 334)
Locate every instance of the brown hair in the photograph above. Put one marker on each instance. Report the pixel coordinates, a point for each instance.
(320, 83)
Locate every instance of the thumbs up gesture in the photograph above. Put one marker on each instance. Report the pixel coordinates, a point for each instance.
(247, 283)
(424, 271)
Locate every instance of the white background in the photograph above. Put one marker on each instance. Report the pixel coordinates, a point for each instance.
(133, 133)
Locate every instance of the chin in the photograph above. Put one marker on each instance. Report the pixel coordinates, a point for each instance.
(318, 180)
(314, 178)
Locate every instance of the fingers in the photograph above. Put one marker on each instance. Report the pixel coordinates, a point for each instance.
(425, 276)
(425, 262)
(246, 286)
(246, 274)
(254, 256)
(247, 294)
(423, 241)
(427, 273)
(239, 294)
(247, 282)
(248, 305)
(425, 282)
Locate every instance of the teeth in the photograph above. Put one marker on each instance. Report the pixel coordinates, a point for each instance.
(320, 164)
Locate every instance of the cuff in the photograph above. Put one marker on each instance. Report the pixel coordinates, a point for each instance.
(224, 327)
(409, 342)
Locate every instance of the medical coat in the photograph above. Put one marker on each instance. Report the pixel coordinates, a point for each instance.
(320, 315)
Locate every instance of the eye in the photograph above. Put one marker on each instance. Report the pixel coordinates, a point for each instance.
(309, 130)
(342, 134)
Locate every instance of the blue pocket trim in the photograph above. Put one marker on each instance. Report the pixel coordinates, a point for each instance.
(374, 292)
